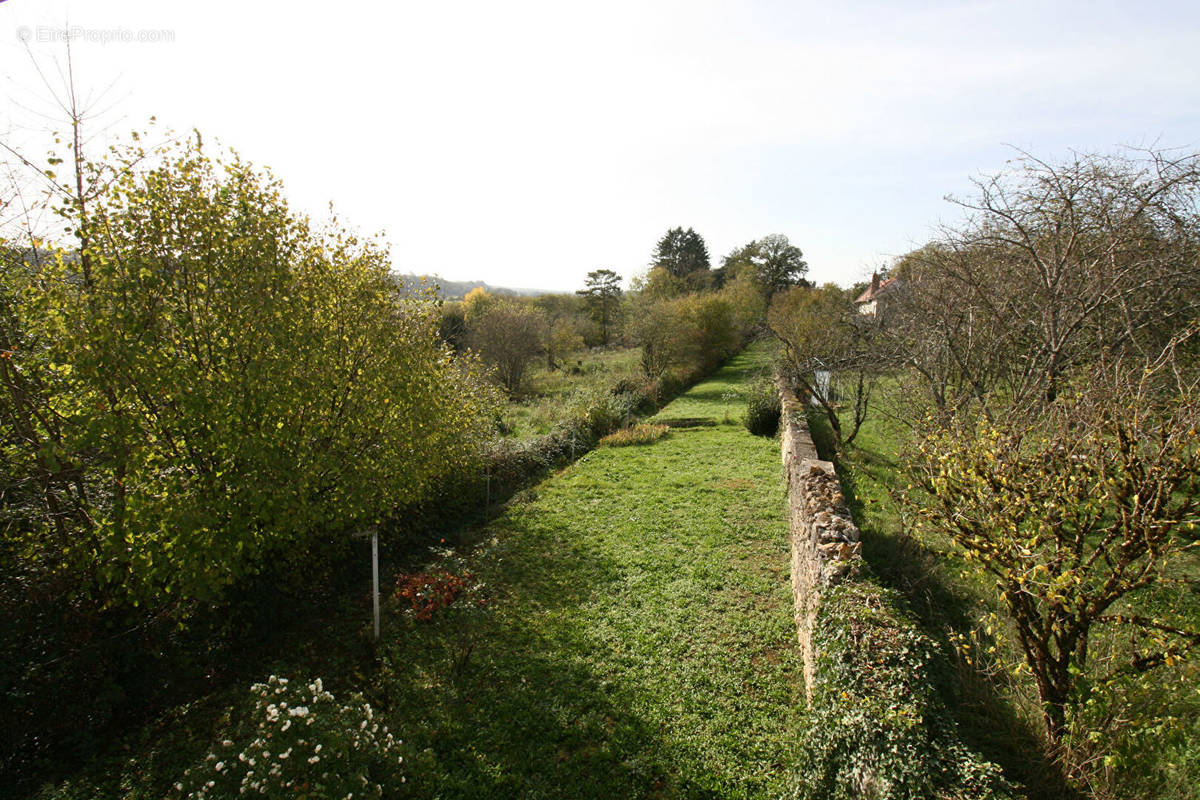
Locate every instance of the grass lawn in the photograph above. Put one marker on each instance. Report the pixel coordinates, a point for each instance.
(629, 633)
(637, 638)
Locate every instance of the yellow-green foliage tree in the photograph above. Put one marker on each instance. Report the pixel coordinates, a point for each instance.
(687, 335)
(824, 340)
(1078, 515)
(210, 382)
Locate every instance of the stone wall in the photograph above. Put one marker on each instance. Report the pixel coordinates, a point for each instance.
(876, 725)
(825, 543)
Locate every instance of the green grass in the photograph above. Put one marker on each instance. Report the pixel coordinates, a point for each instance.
(638, 637)
(629, 634)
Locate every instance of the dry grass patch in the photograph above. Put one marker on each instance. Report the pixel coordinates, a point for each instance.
(642, 433)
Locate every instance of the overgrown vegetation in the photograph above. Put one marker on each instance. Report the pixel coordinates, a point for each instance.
(876, 726)
(1040, 362)
(205, 390)
(205, 394)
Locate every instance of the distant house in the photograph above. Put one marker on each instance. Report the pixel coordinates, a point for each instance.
(868, 303)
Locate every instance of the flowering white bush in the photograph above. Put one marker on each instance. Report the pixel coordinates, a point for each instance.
(301, 743)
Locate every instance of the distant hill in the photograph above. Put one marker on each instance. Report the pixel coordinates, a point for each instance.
(457, 290)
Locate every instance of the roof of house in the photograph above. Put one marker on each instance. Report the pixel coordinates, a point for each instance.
(876, 289)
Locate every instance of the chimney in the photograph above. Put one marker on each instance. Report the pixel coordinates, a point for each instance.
(874, 283)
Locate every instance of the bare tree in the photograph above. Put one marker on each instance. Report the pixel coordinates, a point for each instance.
(1053, 266)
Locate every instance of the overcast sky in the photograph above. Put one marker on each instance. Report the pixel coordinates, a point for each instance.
(527, 143)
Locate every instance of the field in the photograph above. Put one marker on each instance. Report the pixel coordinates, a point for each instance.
(550, 395)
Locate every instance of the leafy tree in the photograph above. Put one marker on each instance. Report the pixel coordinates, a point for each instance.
(561, 334)
(739, 262)
(226, 385)
(477, 302)
(603, 293)
(773, 261)
(681, 253)
(778, 264)
(508, 335)
(666, 334)
(659, 284)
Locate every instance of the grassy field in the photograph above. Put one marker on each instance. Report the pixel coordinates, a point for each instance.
(628, 633)
(550, 396)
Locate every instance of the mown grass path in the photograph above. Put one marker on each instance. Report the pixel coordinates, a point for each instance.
(636, 637)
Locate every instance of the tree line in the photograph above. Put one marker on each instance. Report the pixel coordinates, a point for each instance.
(685, 316)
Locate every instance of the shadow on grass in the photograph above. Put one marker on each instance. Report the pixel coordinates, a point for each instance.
(515, 718)
(987, 722)
(516, 697)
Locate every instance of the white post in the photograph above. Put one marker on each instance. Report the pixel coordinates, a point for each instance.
(375, 576)
(373, 532)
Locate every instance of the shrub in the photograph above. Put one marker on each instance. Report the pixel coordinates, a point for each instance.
(643, 433)
(428, 592)
(299, 741)
(213, 382)
(201, 394)
(876, 726)
(763, 410)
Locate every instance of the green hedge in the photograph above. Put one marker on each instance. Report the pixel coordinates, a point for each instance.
(876, 727)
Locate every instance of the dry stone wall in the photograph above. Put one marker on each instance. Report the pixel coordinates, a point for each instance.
(876, 726)
(825, 543)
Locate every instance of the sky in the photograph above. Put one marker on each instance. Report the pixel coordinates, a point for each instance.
(527, 143)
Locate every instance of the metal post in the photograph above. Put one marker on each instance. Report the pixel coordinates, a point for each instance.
(375, 576)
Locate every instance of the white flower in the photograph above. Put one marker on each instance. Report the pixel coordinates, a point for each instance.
(314, 759)
(220, 766)
(298, 711)
(317, 749)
